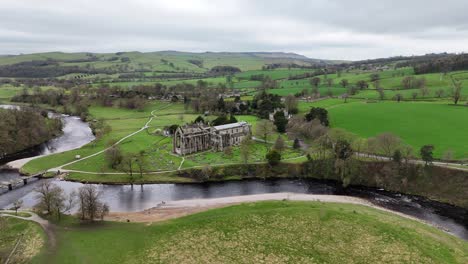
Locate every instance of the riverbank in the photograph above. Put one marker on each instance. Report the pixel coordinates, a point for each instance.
(436, 183)
(173, 209)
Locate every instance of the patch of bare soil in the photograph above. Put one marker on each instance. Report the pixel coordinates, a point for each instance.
(157, 214)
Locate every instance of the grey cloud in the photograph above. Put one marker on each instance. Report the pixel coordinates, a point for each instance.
(334, 29)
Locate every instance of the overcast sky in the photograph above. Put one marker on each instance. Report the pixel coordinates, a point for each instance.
(326, 29)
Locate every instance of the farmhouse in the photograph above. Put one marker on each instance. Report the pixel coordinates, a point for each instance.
(198, 137)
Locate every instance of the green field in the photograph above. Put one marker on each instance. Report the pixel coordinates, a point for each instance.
(417, 124)
(265, 232)
(163, 61)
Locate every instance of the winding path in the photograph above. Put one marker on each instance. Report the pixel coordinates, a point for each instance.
(146, 126)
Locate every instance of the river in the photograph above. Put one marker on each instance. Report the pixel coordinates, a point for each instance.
(125, 198)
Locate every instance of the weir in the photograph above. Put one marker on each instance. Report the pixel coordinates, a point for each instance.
(17, 182)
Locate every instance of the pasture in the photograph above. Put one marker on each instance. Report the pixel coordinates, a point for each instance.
(270, 232)
(417, 123)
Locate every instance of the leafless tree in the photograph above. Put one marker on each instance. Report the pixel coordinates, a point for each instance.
(439, 93)
(456, 94)
(280, 145)
(388, 143)
(299, 128)
(344, 83)
(290, 103)
(264, 129)
(90, 207)
(17, 205)
(47, 194)
(245, 150)
(448, 155)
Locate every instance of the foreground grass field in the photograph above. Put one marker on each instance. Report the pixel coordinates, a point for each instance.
(418, 124)
(31, 240)
(266, 232)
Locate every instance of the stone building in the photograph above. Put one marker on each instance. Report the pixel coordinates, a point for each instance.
(198, 137)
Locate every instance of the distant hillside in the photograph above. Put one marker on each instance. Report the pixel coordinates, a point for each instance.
(55, 64)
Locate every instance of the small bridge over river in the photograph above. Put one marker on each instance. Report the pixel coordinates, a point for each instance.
(21, 181)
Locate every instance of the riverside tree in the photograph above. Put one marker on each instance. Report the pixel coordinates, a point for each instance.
(245, 149)
(427, 153)
(273, 157)
(53, 199)
(90, 206)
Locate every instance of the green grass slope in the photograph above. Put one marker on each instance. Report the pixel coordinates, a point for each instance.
(266, 232)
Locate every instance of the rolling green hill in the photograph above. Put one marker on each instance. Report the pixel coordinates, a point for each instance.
(265, 232)
(163, 61)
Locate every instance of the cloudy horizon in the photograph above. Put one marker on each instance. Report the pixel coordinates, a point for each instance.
(323, 29)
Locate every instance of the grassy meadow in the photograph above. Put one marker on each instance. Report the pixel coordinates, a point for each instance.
(418, 124)
(264, 232)
(31, 240)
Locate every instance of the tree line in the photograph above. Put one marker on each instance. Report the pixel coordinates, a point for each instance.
(23, 129)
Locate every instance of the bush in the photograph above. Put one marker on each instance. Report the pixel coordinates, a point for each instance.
(273, 157)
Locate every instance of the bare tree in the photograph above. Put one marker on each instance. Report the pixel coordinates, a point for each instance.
(17, 205)
(315, 82)
(113, 156)
(456, 94)
(128, 162)
(388, 143)
(398, 97)
(264, 129)
(381, 93)
(344, 83)
(141, 162)
(90, 206)
(439, 93)
(245, 150)
(47, 194)
(329, 82)
(424, 91)
(448, 155)
(290, 102)
(299, 128)
(372, 146)
(280, 145)
(376, 84)
(407, 153)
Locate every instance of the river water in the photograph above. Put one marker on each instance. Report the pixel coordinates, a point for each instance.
(125, 198)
